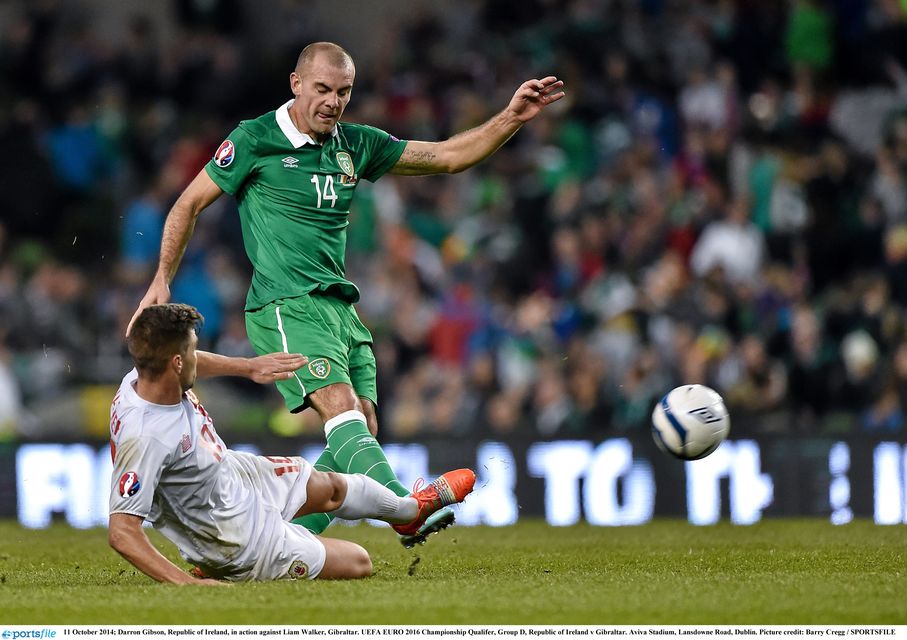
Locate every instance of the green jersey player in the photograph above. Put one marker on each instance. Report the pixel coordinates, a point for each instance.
(293, 172)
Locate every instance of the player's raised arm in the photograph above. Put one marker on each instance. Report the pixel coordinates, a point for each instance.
(262, 369)
(126, 536)
(178, 228)
(470, 147)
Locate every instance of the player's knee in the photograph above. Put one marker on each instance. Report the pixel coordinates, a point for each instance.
(360, 563)
(344, 560)
(334, 399)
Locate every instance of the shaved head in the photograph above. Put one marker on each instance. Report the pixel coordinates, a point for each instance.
(335, 55)
(322, 83)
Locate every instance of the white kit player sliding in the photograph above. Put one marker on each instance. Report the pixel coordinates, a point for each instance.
(228, 512)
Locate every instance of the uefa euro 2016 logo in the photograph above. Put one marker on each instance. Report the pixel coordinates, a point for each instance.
(129, 484)
(225, 153)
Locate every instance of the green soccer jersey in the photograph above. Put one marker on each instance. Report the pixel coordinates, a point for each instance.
(294, 200)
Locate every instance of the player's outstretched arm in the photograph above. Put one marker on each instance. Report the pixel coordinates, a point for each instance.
(127, 538)
(471, 147)
(178, 228)
(262, 369)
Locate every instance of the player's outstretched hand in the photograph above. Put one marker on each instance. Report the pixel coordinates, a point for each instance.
(158, 293)
(275, 366)
(210, 582)
(535, 95)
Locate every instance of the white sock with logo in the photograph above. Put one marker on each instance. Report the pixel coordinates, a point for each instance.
(365, 498)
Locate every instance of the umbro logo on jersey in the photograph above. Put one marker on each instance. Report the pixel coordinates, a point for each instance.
(290, 162)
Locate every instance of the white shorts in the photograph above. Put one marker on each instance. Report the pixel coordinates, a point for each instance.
(282, 550)
(287, 551)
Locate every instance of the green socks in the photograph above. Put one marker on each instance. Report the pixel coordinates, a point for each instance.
(355, 450)
(351, 449)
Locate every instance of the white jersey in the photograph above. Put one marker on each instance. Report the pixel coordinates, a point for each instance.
(220, 507)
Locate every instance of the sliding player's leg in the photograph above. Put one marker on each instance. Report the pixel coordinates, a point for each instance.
(344, 559)
(287, 551)
(355, 496)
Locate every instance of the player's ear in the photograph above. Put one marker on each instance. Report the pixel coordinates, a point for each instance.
(177, 363)
(295, 83)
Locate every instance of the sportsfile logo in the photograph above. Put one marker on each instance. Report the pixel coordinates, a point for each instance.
(15, 634)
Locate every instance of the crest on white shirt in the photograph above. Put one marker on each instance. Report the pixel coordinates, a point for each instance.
(298, 569)
(129, 484)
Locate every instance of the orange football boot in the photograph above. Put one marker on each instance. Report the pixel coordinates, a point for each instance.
(450, 488)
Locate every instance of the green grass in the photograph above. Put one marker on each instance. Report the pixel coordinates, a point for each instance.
(667, 572)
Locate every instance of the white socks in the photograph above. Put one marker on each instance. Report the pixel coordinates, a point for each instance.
(365, 498)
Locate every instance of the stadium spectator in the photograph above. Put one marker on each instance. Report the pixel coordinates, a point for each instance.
(760, 387)
(735, 246)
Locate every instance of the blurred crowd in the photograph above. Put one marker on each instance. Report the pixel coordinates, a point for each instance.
(720, 199)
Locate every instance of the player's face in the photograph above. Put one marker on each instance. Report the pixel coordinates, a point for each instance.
(189, 371)
(322, 92)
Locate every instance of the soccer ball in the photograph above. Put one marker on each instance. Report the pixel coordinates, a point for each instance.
(690, 422)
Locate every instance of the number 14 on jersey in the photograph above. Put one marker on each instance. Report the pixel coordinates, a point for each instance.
(327, 193)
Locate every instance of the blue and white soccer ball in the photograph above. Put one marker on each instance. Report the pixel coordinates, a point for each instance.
(690, 422)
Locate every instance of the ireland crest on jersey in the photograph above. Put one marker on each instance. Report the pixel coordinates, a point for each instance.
(320, 368)
(346, 163)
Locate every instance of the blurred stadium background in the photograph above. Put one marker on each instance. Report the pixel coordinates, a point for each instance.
(720, 199)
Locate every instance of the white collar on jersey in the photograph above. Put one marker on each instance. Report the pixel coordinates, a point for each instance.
(296, 137)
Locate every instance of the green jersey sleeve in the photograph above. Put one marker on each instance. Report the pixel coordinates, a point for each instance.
(383, 151)
(234, 161)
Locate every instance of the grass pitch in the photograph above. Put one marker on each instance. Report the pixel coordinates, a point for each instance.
(666, 572)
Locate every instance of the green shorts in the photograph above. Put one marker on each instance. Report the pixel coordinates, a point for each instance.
(325, 329)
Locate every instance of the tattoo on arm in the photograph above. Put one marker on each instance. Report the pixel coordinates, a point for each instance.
(420, 159)
(459, 152)
(417, 162)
